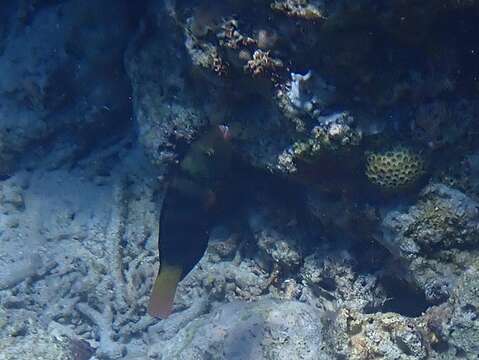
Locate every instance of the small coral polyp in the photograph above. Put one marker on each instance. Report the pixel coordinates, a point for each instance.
(394, 169)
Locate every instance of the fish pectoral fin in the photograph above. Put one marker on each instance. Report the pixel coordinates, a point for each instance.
(164, 289)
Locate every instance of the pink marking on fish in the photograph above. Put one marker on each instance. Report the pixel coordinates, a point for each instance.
(225, 132)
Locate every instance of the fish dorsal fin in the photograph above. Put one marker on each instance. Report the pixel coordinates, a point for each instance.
(164, 289)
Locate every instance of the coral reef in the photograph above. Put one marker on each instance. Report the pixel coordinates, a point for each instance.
(395, 169)
(305, 259)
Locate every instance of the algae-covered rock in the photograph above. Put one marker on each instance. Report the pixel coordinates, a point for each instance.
(279, 245)
(436, 239)
(61, 75)
(36, 346)
(163, 101)
(463, 328)
(265, 330)
(332, 276)
(443, 218)
(356, 336)
(453, 327)
(331, 135)
(24, 338)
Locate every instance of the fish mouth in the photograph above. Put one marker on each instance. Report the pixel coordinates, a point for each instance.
(225, 132)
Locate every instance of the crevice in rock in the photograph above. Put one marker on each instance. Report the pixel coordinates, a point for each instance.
(403, 298)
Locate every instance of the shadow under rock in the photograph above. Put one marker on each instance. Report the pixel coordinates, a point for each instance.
(403, 299)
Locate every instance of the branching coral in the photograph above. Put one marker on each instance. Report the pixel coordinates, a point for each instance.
(230, 36)
(304, 97)
(103, 321)
(262, 64)
(206, 56)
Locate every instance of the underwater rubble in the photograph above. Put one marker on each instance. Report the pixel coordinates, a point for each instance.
(350, 224)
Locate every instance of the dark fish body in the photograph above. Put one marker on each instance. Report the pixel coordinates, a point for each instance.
(187, 214)
(184, 224)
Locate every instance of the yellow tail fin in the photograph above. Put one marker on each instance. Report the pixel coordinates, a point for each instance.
(163, 294)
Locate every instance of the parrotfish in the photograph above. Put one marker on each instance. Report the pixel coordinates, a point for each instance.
(187, 213)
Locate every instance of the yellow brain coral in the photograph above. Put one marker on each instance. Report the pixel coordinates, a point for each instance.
(394, 169)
